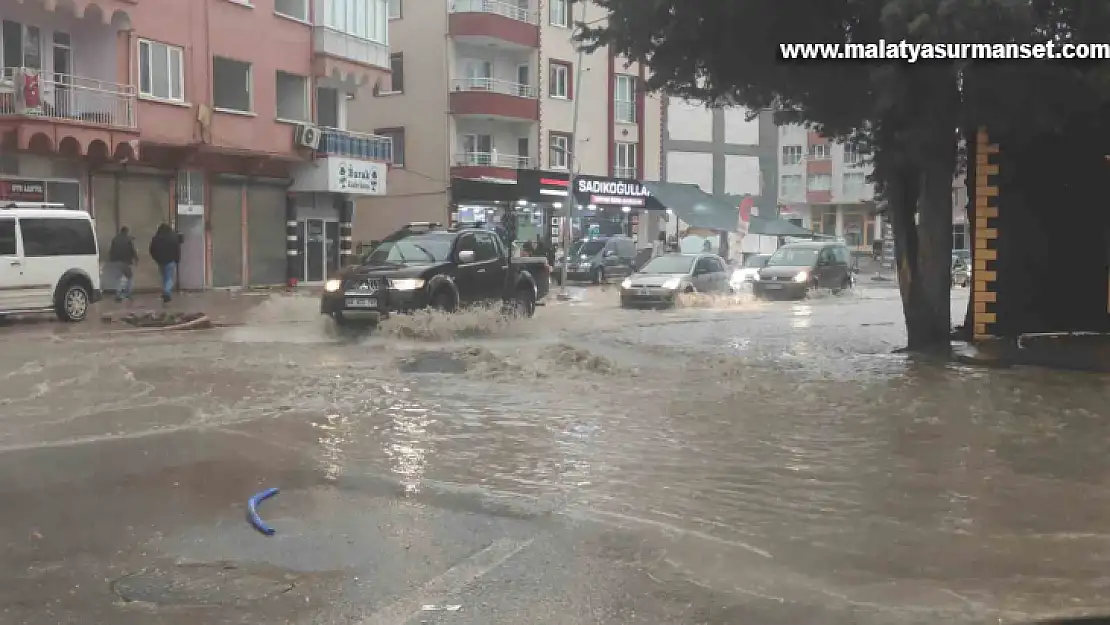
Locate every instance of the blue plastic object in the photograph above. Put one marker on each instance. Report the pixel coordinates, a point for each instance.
(252, 510)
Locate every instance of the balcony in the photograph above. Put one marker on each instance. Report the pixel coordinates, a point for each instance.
(66, 113)
(819, 165)
(628, 173)
(348, 144)
(349, 61)
(474, 165)
(494, 99)
(493, 23)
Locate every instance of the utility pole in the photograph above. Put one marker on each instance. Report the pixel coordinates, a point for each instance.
(572, 202)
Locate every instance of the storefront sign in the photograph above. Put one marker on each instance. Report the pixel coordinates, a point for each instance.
(550, 186)
(23, 190)
(342, 175)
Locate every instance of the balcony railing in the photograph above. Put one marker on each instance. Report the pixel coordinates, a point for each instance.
(334, 42)
(336, 142)
(624, 112)
(493, 85)
(65, 97)
(624, 172)
(505, 9)
(492, 159)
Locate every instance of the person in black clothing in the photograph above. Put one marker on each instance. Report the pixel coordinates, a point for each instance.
(123, 256)
(165, 249)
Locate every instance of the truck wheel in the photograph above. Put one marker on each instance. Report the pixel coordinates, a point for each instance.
(523, 303)
(443, 301)
(72, 303)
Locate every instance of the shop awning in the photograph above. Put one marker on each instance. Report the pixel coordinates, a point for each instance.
(694, 206)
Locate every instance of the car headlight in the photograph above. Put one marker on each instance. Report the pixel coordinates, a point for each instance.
(331, 286)
(802, 276)
(406, 284)
(627, 284)
(672, 284)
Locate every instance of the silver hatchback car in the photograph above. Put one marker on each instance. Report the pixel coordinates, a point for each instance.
(659, 282)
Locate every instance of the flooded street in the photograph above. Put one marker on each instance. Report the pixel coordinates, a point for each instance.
(723, 463)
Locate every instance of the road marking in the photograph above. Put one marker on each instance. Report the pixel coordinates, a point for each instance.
(448, 583)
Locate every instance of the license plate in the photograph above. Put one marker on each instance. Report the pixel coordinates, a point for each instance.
(772, 286)
(362, 302)
(643, 292)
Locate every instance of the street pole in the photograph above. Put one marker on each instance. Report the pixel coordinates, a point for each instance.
(572, 202)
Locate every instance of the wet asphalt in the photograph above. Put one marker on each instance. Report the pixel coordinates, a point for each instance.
(729, 462)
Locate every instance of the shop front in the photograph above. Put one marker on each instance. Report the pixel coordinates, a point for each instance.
(320, 211)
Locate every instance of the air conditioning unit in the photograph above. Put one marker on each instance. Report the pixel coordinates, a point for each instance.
(307, 136)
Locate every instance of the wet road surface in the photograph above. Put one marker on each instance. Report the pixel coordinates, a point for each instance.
(725, 463)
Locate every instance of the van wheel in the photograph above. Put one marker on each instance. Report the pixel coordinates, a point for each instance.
(73, 302)
(844, 286)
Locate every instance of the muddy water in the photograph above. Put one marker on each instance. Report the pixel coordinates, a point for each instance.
(782, 445)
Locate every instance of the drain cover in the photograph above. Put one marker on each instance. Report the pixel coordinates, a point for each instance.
(200, 584)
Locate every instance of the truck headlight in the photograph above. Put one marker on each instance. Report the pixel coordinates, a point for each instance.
(406, 284)
(672, 284)
(802, 276)
(331, 286)
(627, 284)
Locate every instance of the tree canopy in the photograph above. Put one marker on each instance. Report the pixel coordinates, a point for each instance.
(909, 116)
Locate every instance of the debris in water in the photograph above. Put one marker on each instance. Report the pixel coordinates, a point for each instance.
(441, 608)
(252, 510)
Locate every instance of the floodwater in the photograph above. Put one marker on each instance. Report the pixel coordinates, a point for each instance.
(724, 462)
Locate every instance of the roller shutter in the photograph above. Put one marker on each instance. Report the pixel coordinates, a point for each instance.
(227, 234)
(143, 205)
(266, 234)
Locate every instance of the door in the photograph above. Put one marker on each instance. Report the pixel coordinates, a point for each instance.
(315, 251)
(477, 150)
(63, 68)
(13, 284)
(611, 260)
(191, 271)
(703, 275)
(826, 268)
(523, 81)
(480, 75)
(492, 272)
(720, 275)
(467, 274)
(523, 152)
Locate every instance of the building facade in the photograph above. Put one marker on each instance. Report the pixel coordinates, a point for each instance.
(823, 187)
(222, 118)
(483, 88)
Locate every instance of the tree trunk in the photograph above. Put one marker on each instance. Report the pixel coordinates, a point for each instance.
(934, 251)
(903, 190)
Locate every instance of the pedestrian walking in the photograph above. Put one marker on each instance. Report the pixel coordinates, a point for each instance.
(165, 249)
(122, 257)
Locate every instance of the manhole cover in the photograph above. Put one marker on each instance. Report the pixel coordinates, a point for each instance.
(201, 584)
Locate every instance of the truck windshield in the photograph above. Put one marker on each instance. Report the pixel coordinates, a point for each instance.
(422, 248)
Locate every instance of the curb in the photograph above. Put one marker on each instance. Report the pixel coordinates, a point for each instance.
(200, 323)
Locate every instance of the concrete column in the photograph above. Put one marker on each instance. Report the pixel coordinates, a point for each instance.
(878, 227)
(293, 263)
(839, 221)
(346, 208)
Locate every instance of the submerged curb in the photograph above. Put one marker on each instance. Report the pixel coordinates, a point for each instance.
(199, 323)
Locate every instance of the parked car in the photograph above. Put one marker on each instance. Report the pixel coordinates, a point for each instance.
(49, 261)
(426, 265)
(598, 259)
(660, 281)
(748, 273)
(961, 271)
(797, 269)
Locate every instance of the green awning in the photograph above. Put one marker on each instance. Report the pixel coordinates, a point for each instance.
(694, 206)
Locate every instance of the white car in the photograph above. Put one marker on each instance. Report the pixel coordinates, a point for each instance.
(749, 272)
(49, 261)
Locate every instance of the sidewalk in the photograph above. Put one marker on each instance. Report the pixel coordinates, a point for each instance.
(1088, 352)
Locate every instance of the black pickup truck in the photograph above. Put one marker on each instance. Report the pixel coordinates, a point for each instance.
(425, 265)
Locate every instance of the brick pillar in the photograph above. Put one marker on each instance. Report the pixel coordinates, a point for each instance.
(293, 261)
(985, 255)
(346, 208)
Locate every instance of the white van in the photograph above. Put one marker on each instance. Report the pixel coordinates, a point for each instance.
(49, 260)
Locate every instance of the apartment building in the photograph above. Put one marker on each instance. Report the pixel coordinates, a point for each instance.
(823, 187)
(224, 118)
(482, 89)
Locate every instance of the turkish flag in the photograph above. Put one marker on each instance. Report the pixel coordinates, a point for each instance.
(746, 209)
(32, 98)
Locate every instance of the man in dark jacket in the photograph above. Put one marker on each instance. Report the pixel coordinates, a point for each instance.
(122, 257)
(165, 249)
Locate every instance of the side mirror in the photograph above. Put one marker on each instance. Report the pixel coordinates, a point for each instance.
(466, 256)
(609, 253)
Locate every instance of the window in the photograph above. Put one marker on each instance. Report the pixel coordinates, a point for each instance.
(852, 155)
(190, 188)
(855, 183)
(477, 149)
(819, 151)
(842, 256)
(292, 97)
(231, 85)
(560, 85)
(484, 248)
(161, 71)
(624, 106)
(560, 151)
(560, 13)
(819, 182)
(398, 136)
(624, 163)
(791, 154)
(791, 185)
(959, 237)
(296, 9)
(57, 237)
(397, 73)
(327, 107)
(22, 45)
(396, 10)
(360, 18)
(7, 237)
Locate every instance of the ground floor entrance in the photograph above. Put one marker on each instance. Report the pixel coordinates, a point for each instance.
(318, 244)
